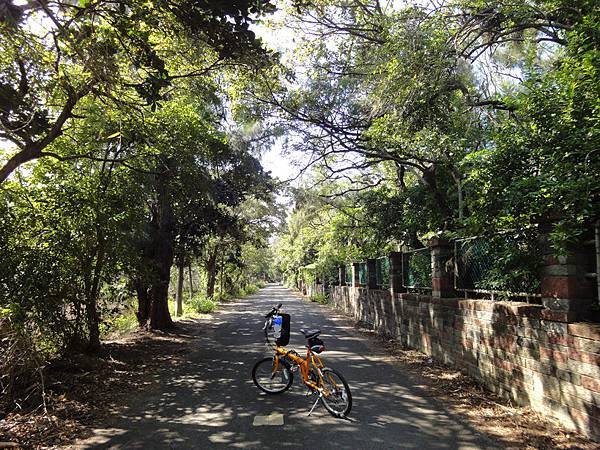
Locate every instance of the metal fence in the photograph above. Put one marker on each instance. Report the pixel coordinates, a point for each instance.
(382, 272)
(506, 263)
(416, 269)
(362, 273)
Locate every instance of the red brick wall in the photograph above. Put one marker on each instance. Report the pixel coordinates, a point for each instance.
(525, 353)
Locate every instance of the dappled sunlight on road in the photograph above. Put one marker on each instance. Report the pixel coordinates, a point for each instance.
(210, 401)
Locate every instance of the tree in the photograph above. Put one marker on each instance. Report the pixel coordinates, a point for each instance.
(438, 90)
(65, 237)
(111, 52)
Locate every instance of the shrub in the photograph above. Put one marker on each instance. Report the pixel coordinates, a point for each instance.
(250, 289)
(123, 323)
(24, 354)
(221, 297)
(200, 304)
(319, 298)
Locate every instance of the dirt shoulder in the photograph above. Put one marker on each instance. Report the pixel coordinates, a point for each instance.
(514, 427)
(82, 390)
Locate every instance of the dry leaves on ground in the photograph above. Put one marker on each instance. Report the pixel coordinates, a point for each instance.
(82, 389)
(515, 427)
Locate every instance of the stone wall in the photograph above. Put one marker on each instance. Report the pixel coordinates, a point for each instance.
(525, 353)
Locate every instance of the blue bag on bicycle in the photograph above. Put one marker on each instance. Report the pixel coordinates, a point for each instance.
(282, 322)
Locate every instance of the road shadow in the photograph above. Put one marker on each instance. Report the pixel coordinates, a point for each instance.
(208, 400)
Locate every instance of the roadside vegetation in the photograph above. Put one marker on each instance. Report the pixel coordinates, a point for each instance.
(445, 119)
(131, 189)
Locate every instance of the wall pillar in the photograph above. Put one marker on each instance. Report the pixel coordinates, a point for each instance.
(342, 275)
(372, 273)
(565, 289)
(355, 276)
(396, 273)
(442, 273)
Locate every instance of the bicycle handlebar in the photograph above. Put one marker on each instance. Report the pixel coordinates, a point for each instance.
(274, 310)
(268, 320)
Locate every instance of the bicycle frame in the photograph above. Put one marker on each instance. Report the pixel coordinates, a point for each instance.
(304, 364)
(328, 384)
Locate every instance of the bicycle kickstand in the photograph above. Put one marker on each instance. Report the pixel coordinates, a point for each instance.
(315, 404)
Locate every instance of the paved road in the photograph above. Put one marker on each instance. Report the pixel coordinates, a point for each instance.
(211, 402)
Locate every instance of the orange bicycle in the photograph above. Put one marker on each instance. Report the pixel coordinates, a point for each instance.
(275, 375)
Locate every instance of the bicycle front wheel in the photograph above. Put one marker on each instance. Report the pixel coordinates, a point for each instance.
(336, 398)
(270, 379)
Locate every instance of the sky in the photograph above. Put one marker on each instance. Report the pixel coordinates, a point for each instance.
(279, 38)
(277, 163)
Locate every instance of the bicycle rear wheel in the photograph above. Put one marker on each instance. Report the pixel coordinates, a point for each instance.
(336, 398)
(271, 380)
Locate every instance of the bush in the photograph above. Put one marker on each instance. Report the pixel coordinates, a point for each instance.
(24, 354)
(319, 298)
(249, 290)
(200, 304)
(123, 323)
(221, 297)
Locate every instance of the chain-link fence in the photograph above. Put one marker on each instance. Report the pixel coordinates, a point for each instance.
(506, 263)
(416, 269)
(382, 272)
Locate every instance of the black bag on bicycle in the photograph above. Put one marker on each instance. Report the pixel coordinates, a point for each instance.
(284, 337)
(316, 344)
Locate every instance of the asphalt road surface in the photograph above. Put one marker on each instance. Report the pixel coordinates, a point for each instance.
(211, 402)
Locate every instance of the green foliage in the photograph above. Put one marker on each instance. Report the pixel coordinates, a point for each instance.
(418, 269)
(122, 53)
(200, 304)
(249, 290)
(123, 323)
(123, 111)
(319, 298)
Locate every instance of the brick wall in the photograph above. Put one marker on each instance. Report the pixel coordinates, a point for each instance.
(525, 353)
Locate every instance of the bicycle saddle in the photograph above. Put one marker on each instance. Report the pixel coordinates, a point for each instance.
(309, 334)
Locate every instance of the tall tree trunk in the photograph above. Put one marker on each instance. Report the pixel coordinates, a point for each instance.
(459, 188)
(211, 272)
(160, 318)
(191, 281)
(93, 317)
(221, 272)
(179, 294)
(143, 312)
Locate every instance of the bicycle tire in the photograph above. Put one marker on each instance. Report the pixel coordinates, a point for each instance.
(337, 397)
(266, 381)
